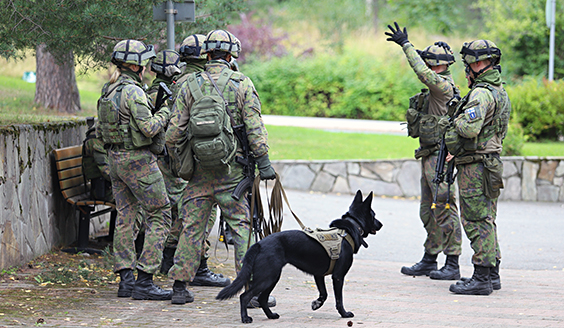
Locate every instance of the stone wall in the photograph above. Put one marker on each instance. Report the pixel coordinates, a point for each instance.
(34, 216)
(525, 178)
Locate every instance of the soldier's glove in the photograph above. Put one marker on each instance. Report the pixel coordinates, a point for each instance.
(265, 169)
(165, 113)
(398, 36)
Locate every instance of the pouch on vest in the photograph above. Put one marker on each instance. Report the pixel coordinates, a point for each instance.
(492, 177)
(429, 131)
(209, 130)
(108, 117)
(418, 105)
(182, 160)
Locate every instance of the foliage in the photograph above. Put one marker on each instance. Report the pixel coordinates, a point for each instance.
(90, 28)
(349, 86)
(442, 16)
(518, 28)
(257, 38)
(539, 108)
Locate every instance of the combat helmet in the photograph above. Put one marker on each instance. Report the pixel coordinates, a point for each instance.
(168, 63)
(221, 40)
(437, 54)
(132, 52)
(480, 50)
(191, 47)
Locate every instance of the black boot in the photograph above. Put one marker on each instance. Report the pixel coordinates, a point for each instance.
(422, 268)
(479, 284)
(127, 282)
(450, 271)
(145, 289)
(494, 277)
(205, 277)
(180, 295)
(168, 259)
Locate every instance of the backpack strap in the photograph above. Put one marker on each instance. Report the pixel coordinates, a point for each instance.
(194, 87)
(223, 79)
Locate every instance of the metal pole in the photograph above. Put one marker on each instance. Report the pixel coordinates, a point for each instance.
(551, 54)
(170, 24)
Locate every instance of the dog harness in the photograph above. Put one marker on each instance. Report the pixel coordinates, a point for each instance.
(331, 239)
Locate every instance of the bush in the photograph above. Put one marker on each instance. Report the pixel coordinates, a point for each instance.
(353, 85)
(539, 108)
(514, 140)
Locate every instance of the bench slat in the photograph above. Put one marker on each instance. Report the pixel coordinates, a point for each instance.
(67, 152)
(69, 163)
(70, 173)
(69, 193)
(72, 183)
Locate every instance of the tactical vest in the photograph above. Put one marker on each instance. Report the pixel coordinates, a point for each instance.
(113, 131)
(495, 127)
(210, 131)
(331, 240)
(421, 124)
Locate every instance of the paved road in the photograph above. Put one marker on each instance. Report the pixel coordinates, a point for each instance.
(338, 124)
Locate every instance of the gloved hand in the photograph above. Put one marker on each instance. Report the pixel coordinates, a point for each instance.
(165, 112)
(265, 169)
(443, 44)
(397, 35)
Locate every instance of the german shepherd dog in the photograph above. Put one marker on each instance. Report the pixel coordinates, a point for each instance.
(263, 262)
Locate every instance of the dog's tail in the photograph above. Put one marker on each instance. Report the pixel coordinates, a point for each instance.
(244, 275)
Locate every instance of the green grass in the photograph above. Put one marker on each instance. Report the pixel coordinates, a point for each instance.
(543, 149)
(312, 144)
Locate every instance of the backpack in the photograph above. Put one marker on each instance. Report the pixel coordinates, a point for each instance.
(210, 127)
(94, 156)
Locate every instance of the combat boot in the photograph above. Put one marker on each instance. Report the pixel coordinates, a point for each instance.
(181, 295)
(479, 284)
(168, 259)
(450, 271)
(126, 283)
(205, 277)
(145, 289)
(422, 268)
(494, 277)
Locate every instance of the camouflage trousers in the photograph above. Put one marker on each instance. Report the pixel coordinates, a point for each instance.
(137, 185)
(174, 188)
(209, 187)
(442, 224)
(478, 214)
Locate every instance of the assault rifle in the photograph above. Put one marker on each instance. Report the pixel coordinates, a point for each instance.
(162, 95)
(249, 165)
(441, 175)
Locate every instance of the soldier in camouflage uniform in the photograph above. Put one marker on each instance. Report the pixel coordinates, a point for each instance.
(215, 186)
(171, 67)
(128, 128)
(440, 220)
(475, 140)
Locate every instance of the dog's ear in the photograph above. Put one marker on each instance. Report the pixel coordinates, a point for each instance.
(358, 197)
(368, 201)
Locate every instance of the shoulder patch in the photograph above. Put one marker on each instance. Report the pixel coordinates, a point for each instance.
(471, 112)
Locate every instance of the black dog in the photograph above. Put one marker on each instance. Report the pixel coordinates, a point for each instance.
(264, 260)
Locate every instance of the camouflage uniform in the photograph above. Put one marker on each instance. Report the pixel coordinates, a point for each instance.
(478, 212)
(442, 224)
(138, 183)
(475, 138)
(209, 187)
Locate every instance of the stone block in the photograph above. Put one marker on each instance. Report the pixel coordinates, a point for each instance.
(548, 193)
(547, 170)
(409, 178)
(558, 181)
(380, 188)
(385, 170)
(341, 186)
(298, 177)
(512, 189)
(367, 173)
(528, 182)
(559, 169)
(509, 169)
(323, 182)
(315, 167)
(353, 168)
(336, 169)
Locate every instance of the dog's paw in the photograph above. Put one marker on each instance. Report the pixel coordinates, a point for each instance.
(347, 314)
(316, 305)
(246, 319)
(273, 315)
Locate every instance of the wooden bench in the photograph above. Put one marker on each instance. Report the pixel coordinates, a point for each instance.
(76, 190)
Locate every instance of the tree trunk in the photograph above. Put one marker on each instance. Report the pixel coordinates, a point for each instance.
(55, 86)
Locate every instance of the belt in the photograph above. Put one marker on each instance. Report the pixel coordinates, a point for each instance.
(474, 158)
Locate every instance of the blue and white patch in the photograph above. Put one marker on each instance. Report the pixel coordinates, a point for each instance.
(471, 112)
